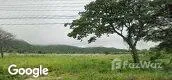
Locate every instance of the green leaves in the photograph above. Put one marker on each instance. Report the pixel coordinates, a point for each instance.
(134, 17)
(163, 35)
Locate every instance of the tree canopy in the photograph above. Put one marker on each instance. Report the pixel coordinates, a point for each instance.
(164, 36)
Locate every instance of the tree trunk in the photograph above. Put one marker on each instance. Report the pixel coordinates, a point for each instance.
(134, 54)
(2, 54)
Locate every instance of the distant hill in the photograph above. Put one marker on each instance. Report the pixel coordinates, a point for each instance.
(73, 49)
(21, 46)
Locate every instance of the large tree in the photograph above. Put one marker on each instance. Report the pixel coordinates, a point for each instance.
(130, 19)
(5, 37)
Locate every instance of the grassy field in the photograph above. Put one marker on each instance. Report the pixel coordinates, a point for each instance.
(79, 67)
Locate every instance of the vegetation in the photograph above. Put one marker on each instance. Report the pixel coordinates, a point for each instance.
(83, 67)
(163, 35)
(20, 46)
(133, 20)
(130, 19)
(5, 37)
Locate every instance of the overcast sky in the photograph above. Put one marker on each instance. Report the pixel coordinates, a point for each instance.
(31, 20)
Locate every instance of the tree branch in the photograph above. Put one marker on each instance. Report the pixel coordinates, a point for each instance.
(139, 32)
(120, 34)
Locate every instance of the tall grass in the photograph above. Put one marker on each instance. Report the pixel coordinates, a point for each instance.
(78, 67)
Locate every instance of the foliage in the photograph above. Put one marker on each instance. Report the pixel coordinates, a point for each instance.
(20, 46)
(130, 19)
(163, 35)
(5, 37)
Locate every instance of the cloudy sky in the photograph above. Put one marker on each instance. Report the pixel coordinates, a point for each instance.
(41, 22)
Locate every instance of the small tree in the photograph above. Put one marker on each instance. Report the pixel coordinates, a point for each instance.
(130, 19)
(5, 37)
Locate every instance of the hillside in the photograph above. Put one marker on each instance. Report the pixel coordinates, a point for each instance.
(21, 46)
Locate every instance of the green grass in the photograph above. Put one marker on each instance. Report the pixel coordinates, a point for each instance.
(78, 67)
